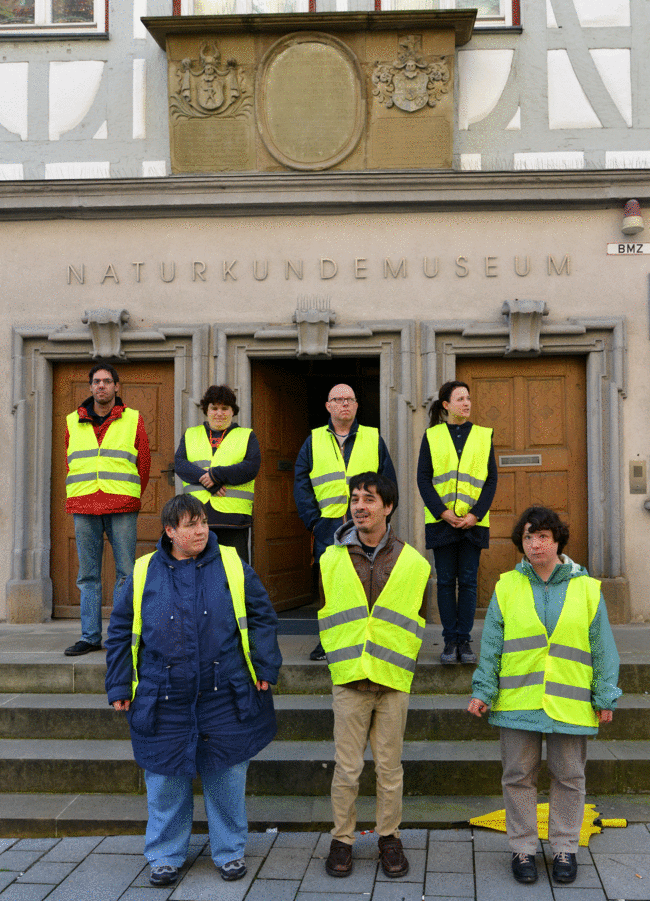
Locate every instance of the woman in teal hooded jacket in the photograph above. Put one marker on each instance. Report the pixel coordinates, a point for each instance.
(548, 668)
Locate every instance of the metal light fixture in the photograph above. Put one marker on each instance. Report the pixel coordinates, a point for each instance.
(632, 219)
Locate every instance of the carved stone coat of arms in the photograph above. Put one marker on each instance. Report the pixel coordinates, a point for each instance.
(205, 87)
(411, 81)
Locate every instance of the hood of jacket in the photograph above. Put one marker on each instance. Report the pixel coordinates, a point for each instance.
(565, 571)
(207, 555)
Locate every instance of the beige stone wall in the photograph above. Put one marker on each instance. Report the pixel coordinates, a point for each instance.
(370, 267)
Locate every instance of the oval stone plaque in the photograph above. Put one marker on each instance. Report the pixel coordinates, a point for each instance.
(310, 106)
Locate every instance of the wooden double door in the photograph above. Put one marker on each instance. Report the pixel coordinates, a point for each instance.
(149, 388)
(537, 408)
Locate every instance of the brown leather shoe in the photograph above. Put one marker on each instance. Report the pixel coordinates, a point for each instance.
(391, 854)
(339, 862)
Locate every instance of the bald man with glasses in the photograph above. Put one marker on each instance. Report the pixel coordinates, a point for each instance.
(328, 459)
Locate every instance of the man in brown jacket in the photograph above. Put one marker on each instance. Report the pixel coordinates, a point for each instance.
(371, 624)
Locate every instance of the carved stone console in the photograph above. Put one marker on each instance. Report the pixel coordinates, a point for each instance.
(312, 92)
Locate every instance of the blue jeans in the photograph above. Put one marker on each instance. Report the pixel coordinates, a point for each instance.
(457, 563)
(89, 531)
(171, 808)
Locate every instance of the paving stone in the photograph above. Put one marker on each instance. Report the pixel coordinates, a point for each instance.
(450, 885)
(625, 875)
(450, 835)
(634, 839)
(73, 849)
(417, 860)
(450, 857)
(6, 843)
(397, 890)
(161, 893)
(414, 838)
(121, 844)
(297, 840)
(258, 844)
(488, 840)
(18, 861)
(7, 877)
(364, 848)
(100, 877)
(203, 882)
(274, 890)
(26, 892)
(360, 880)
(494, 880)
(283, 861)
(48, 873)
(574, 893)
(331, 896)
(36, 844)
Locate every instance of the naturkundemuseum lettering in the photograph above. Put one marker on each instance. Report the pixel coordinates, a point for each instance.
(322, 269)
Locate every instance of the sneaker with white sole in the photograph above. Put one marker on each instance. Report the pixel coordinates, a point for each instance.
(234, 869)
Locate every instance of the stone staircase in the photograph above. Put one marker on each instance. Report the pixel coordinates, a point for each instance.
(66, 765)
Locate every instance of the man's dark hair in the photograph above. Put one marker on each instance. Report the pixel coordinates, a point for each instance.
(176, 509)
(219, 394)
(540, 519)
(385, 488)
(107, 367)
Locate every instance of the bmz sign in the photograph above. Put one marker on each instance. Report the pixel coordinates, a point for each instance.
(628, 249)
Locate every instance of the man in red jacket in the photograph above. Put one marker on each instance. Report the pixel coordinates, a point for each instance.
(108, 461)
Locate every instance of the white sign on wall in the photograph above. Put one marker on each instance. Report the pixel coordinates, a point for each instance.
(628, 249)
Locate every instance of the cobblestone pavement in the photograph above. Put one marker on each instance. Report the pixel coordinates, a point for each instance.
(290, 866)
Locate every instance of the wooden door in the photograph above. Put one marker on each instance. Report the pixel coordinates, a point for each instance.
(281, 544)
(149, 388)
(537, 408)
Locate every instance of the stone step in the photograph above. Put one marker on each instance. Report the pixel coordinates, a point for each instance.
(301, 767)
(56, 674)
(300, 717)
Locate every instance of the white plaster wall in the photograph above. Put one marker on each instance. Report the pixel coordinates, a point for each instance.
(482, 76)
(614, 69)
(568, 106)
(73, 88)
(13, 98)
(603, 13)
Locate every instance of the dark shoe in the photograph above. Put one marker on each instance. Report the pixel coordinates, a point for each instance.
(565, 867)
(524, 868)
(318, 653)
(339, 861)
(465, 652)
(82, 647)
(391, 855)
(450, 653)
(165, 875)
(234, 869)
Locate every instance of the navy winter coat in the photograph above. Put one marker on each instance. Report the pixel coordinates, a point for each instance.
(196, 708)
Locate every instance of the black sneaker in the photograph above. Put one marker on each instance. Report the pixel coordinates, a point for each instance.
(235, 869)
(565, 867)
(318, 653)
(82, 647)
(450, 653)
(165, 875)
(524, 868)
(465, 652)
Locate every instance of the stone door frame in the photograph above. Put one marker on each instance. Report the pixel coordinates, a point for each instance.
(603, 342)
(34, 352)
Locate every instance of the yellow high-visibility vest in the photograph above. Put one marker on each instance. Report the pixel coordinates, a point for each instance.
(541, 672)
(459, 482)
(381, 644)
(111, 467)
(239, 498)
(235, 576)
(329, 475)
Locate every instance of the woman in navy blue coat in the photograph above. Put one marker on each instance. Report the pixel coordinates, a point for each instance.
(196, 708)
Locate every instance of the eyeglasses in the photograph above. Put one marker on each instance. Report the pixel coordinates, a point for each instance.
(97, 382)
(541, 539)
(342, 400)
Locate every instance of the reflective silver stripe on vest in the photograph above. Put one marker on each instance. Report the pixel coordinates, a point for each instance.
(521, 681)
(452, 496)
(201, 462)
(566, 652)
(342, 499)
(398, 619)
(466, 477)
(572, 692)
(243, 622)
(328, 477)
(340, 619)
(188, 489)
(444, 477)
(112, 476)
(512, 645)
(355, 650)
(233, 492)
(82, 454)
(400, 660)
(118, 454)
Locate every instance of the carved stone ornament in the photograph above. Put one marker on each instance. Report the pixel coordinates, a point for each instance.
(525, 323)
(411, 82)
(206, 88)
(106, 331)
(313, 331)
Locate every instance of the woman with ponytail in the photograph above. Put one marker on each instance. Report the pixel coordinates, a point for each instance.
(457, 479)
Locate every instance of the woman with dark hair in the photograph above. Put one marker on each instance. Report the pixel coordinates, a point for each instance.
(218, 462)
(457, 478)
(548, 668)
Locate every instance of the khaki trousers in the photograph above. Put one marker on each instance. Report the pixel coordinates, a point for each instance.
(521, 755)
(358, 716)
